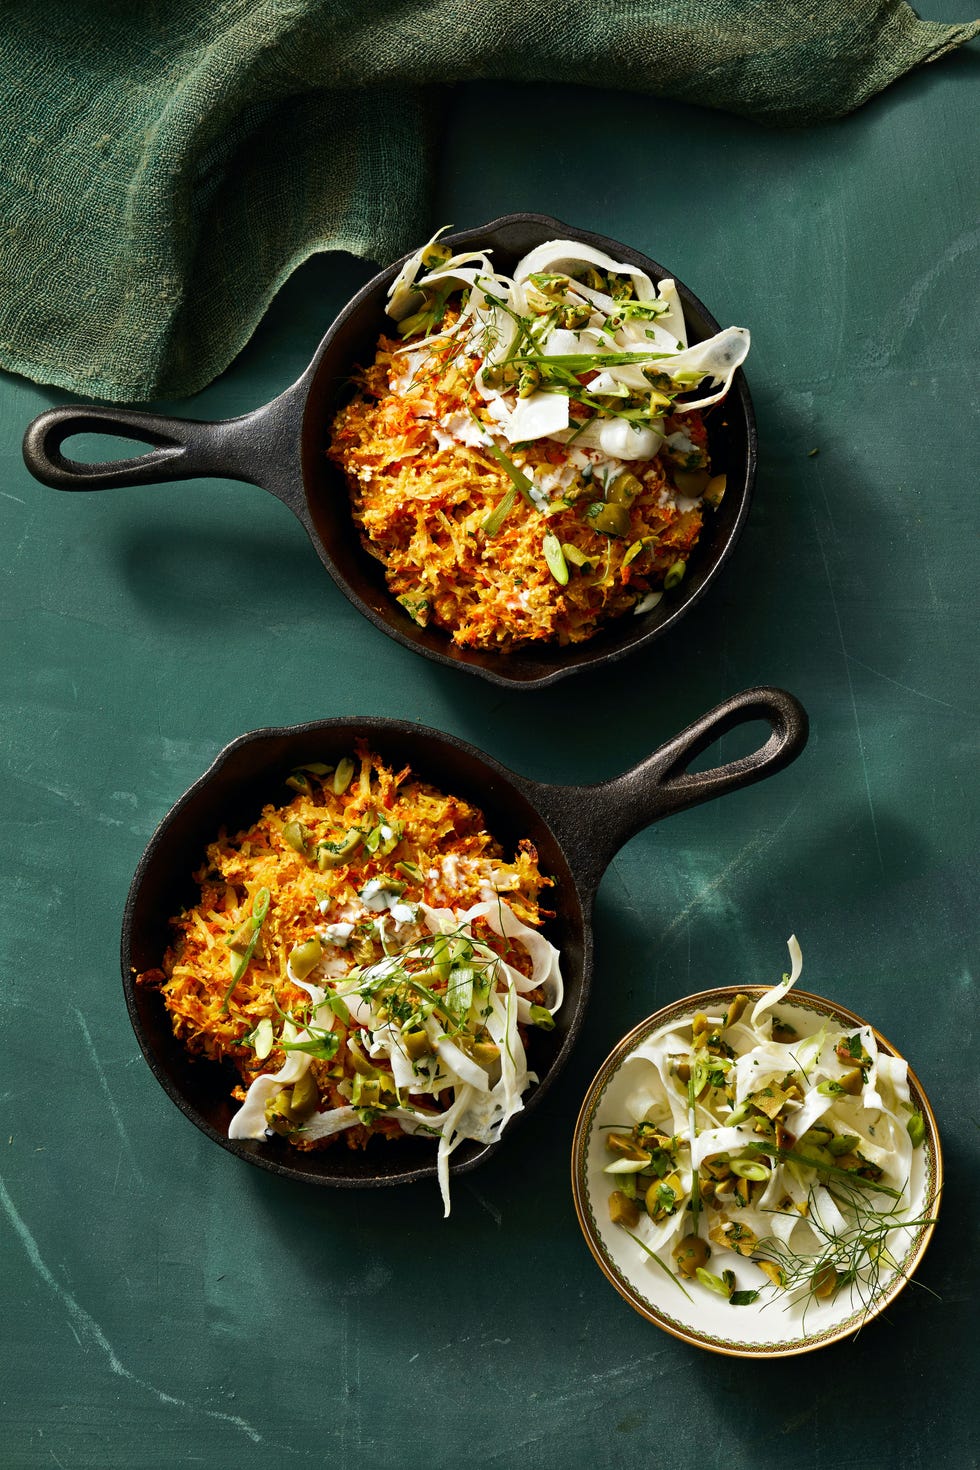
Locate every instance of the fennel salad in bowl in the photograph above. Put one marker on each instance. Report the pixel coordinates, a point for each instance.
(757, 1170)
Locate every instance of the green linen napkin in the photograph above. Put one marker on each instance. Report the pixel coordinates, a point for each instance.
(165, 166)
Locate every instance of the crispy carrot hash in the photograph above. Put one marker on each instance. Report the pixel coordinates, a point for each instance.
(368, 959)
(524, 458)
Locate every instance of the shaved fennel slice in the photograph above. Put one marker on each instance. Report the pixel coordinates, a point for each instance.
(783, 1184)
(402, 294)
(719, 358)
(657, 1052)
(537, 417)
(325, 1125)
(755, 1068)
(458, 1062)
(564, 343)
(616, 438)
(814, 1106)
(774, 996)
(712, 1141)
(673, 319)
(459, 269)
(562, 256)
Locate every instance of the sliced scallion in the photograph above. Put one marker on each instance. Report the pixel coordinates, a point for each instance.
(555, 557)
(260, 907)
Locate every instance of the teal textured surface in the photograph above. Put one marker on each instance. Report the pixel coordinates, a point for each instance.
(164, 1304)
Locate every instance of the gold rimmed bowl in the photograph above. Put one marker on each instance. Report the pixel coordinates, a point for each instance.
(776, 1323)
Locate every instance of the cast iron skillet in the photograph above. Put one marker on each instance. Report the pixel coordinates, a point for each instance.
(576, 829)
(281, 448)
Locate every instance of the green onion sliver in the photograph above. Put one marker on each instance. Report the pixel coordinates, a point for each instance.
(260, 907)
(499, 514)
(555, 557)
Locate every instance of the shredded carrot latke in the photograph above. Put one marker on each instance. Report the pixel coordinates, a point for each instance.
(422, 500)
(310, 861)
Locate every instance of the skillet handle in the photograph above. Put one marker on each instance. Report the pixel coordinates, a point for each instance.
(662, 784)
(613, 812)
(259, 448)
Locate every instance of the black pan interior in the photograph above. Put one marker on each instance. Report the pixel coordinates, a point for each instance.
(353, 340)
(247, 776)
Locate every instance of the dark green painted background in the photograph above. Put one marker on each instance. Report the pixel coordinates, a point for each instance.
(163, 1304)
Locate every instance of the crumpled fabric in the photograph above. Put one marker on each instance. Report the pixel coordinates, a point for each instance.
(164, 167)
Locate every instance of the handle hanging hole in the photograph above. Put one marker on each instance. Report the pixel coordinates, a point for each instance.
(103, 448)
(736, 744)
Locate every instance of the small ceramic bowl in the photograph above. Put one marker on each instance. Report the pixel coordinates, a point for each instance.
(770, 1327)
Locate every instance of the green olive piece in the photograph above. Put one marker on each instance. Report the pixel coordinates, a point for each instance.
(715, 489)
(663, 1196)
(500, 374)
(334, 854)
(824, 1281)
(551, 284)
(342, 776)
(294, 836)
(842, 1144)
(592, 278)
(405, 300)
(361, 1064)
(527, 381)
(624, 489)
(691, 483)
(435, 255)
(485, 1053)
(611, 520)
(573, 316)
(279, 1112)
(735, 1008)
(537, 301)
(240, 940)
(675, 575)
(305, 1096)
(623, 1210)
(305, 957)
(916, 1126)
(575, 557)
(658, 379)
(416, 1043)
(366, 1092)
(690, 1254)
(624, 1145)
